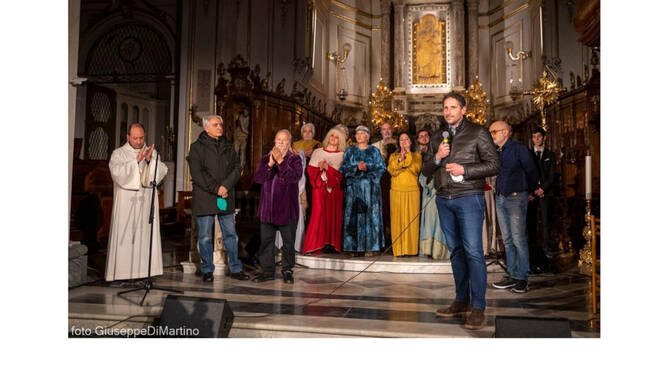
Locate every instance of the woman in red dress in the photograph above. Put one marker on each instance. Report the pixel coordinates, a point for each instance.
(325, 223)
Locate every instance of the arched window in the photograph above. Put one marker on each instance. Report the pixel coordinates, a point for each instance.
(129, 52)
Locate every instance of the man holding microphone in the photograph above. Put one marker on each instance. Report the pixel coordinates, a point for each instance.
(464, 156)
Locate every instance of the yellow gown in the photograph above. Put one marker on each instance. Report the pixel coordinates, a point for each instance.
(404, 202)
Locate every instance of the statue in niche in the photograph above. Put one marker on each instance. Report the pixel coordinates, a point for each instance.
(242, 124)
(429, 55)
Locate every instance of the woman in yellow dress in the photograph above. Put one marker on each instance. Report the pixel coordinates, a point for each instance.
(405, 166)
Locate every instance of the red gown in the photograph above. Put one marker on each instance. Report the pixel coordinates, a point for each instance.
(325, 224)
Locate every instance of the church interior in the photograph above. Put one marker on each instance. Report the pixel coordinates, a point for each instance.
(266, 65)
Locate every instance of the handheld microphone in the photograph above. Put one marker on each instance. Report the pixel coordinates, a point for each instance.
(445, 137)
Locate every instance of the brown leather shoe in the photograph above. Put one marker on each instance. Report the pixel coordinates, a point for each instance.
(455, 309)
(476, 320)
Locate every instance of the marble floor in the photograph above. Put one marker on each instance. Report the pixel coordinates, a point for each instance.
(331, 303)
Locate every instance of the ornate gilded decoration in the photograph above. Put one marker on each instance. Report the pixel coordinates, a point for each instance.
(546, 92)
(427, 40)
(380, 105)
(429, 55)
(585, 253)
(477, 102)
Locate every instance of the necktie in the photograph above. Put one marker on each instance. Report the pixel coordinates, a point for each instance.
(538, 154)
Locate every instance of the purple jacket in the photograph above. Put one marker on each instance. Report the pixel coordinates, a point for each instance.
(278, 203)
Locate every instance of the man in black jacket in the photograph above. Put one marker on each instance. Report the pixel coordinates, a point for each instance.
(215, 170)
(545, 163)
(460, 157)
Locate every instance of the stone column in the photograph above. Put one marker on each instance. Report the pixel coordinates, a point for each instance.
(399, 46)
(385, 42)
(473, 40)
(74, 34)
(458, 45)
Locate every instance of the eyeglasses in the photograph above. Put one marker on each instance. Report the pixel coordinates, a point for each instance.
(494, 132)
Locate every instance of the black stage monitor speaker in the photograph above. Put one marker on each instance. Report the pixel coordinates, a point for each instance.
(189, 316)
(531, 327)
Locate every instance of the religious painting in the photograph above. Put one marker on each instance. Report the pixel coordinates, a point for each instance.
(429, 51)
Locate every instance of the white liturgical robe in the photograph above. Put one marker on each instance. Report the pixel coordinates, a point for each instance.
(128, 243)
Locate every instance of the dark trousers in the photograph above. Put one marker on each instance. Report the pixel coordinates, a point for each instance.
(539, 238)
(267, 248)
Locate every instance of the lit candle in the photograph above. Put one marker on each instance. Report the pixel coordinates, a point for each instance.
(587, 169)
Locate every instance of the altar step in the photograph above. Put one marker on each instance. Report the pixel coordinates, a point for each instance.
(273, 326)
(383, 263)
(342, 262)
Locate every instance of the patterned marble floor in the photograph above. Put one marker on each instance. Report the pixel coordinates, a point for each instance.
(321, 304)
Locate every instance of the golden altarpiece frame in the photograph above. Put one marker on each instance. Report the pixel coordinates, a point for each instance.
(428, 48)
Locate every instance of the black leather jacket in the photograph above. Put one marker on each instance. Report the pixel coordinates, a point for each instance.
(472, 147)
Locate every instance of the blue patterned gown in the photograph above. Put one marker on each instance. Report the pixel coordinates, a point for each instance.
(363, 208)
(432, 241)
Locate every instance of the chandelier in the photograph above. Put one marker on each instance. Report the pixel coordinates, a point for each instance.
(477, 102)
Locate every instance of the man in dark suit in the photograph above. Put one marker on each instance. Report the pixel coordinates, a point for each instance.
(545, 163)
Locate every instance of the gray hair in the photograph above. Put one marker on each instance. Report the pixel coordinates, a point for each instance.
(308, 125)
(206, 119)
(363, 129)
(288, 133)
(507, 126)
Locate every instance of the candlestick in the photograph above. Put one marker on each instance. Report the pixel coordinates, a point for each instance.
(587, 169)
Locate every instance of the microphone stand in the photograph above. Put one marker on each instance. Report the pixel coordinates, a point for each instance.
(148, 285)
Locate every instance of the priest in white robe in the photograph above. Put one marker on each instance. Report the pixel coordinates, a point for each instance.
(132, 167)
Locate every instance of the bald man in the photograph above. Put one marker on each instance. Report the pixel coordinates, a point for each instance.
(517, 179)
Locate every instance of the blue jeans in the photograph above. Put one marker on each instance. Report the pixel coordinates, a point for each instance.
(511, 217)
(229, 238)
(462, 220)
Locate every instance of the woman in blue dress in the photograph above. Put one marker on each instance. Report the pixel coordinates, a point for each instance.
(363, 209)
